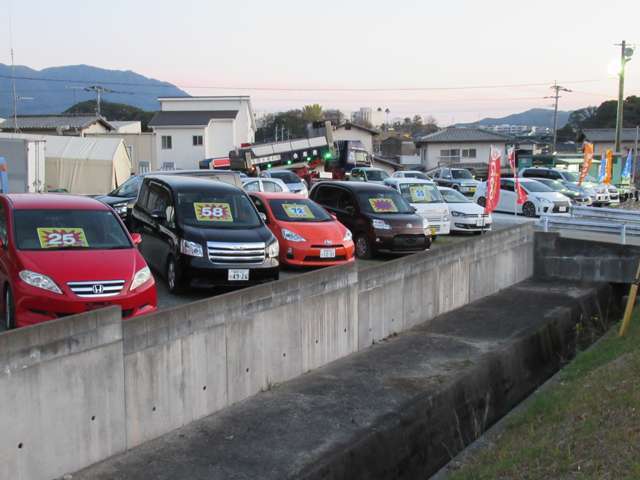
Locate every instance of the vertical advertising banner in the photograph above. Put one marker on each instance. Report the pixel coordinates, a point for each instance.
(521, 195)
(4, 176)
(586, 162)
(608, 173)
(493, 181)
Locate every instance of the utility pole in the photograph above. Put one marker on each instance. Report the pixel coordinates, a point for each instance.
(16, 129)
(556, 96)
(625, 55)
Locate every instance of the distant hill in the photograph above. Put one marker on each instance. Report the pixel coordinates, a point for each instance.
(56, 89)
(536, 117)
(112, 111)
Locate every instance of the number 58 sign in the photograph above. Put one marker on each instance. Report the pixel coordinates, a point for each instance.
(213, 212)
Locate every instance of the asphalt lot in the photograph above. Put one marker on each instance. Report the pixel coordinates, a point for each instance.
(167, 300)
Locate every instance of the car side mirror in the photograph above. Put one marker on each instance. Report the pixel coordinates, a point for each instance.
(137, 239)
(413, 209)
(158, 215)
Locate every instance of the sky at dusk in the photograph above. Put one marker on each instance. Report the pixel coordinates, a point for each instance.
(287, 53)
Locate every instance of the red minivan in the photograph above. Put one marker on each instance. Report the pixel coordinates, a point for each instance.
(65, 254)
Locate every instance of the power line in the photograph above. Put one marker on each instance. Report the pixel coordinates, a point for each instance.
(302, 89)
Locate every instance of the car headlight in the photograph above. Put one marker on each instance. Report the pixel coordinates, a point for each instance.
(273, 249)
(456, 214)
(445, 217)
(192, 249)
(39, 280)
(380, 224)
(347, 236)
(546, 201)
(141, 277)
(292, 236)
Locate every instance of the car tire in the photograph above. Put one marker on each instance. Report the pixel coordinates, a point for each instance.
(482, 201)
(363, 247)
(9, 317)
(173, 277)
(529, 209)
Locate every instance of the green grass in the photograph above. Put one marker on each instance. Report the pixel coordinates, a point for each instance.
(585, 426)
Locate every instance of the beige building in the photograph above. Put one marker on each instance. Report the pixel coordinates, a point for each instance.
(73, 125)
(141, 148)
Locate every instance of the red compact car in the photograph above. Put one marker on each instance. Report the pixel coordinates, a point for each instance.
(65, 254)
(307, 233)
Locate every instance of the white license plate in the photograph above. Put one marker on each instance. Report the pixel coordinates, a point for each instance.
(327, 253)
(480, 223)
(562, 209)
(238, 275)
(434, 231)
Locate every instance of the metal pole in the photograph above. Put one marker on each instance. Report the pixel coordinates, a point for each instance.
(635, 157)
(619, 113)
(555, 117)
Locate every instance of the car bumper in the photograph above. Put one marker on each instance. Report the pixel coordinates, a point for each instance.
(439, 228)
(200, 272)
(310, 256)
(401, 243)
(34, 305)
(468, 191)
(462, 224)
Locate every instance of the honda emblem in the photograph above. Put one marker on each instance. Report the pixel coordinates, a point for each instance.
(327, 242)
(97, 289)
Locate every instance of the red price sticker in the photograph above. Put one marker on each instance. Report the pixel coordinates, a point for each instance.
(213, 212)
(62, 237)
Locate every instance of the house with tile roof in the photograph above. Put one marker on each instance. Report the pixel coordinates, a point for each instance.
(604, 138)
(456, 146)
(73, 125)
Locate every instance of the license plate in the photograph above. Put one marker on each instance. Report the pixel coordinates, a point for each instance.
(434, 230)
(238, 275)
(562, 209)
(472, 189)
(328, 253)
(479, 223)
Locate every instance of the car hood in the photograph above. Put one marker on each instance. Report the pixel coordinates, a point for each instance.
(231, 235)
(113, 200)
(553, 196)
(467, 208)
(83, 265)
(317, 231)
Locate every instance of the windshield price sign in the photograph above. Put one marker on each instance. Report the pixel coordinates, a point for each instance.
(213, 212)
(418, 193)
(383, 205)
(62, 237)
(297, 210)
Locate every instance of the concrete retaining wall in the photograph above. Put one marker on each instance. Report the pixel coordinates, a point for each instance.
(100, 386)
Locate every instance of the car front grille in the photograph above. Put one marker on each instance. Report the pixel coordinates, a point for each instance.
(409, 242)
(234, 253)
(558, 205)
(433, 218)
(96, 288)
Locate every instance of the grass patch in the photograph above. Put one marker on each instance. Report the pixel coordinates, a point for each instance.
(586, 426)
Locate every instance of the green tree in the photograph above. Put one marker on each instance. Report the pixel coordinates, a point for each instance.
(112, 111)
(312, 113)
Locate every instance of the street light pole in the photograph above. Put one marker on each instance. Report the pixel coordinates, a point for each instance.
(625, 56)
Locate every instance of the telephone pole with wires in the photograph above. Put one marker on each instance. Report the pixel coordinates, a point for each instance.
(556, 96)
(99, 90)
(626, 53)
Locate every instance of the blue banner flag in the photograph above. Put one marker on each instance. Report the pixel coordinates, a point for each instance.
(4, 176)
(626, 171)
(602, 171)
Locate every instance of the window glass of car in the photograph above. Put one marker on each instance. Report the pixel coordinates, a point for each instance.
(271, 186)
(536, 187)
(420, 193)
(129, 188)
(68, 229)
(298, 210)
(383, 202)
(216, 210)
(507, 185)
(252, 186)
(286, 177)
(344, 200)
(3, 225)
(377, 175)
(575, 177)
(462, 174)
(326, 195)
(453, 196)
(158, 199)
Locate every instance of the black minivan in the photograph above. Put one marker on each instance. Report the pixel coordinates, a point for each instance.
(379, 218)
(203, 233)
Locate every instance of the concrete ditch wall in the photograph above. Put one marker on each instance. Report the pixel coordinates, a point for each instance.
(150, 375)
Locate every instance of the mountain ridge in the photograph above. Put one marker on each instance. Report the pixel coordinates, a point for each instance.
(534, 117)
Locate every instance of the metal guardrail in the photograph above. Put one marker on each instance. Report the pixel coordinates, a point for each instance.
(617, 215)
(595, 224)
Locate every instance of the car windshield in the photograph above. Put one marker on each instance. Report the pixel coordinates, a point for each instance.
(286, 177)
(129, 188)
(462, 174)
(383, 202)
(68, 230)
(376, 175)
(572, 176)
(298, 210)
(453, 196)
(216, 210)
(535, 187)
(419, 175)
(553, 184)
(420, 193)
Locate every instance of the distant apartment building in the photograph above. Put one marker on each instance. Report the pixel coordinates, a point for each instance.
(368, 115)
(190, 129)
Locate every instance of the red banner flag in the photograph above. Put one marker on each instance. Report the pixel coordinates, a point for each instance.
(493, 181)
(521, 194)
(586, 163)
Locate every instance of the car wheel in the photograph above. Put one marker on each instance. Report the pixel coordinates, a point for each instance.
(482, 201)
(9, 309)
(174, 280)
(363, 247)
(529, 209)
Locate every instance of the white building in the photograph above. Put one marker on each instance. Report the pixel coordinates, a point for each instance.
(190, 129)
(454, 146)
(348, 131)
(374, 117)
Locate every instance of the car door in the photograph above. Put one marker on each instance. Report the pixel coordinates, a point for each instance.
(5, 258)
(346, 208)
(155, 208)
(507, 196)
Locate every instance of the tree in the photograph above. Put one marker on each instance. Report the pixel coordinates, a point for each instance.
(290, 124)
(112, 111)
(312, 113)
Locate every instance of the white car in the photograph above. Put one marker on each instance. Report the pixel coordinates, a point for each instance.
(264, 185)
(410, 174)
(466, 215)
(368, 174)
(423, 195)
(541, 200)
